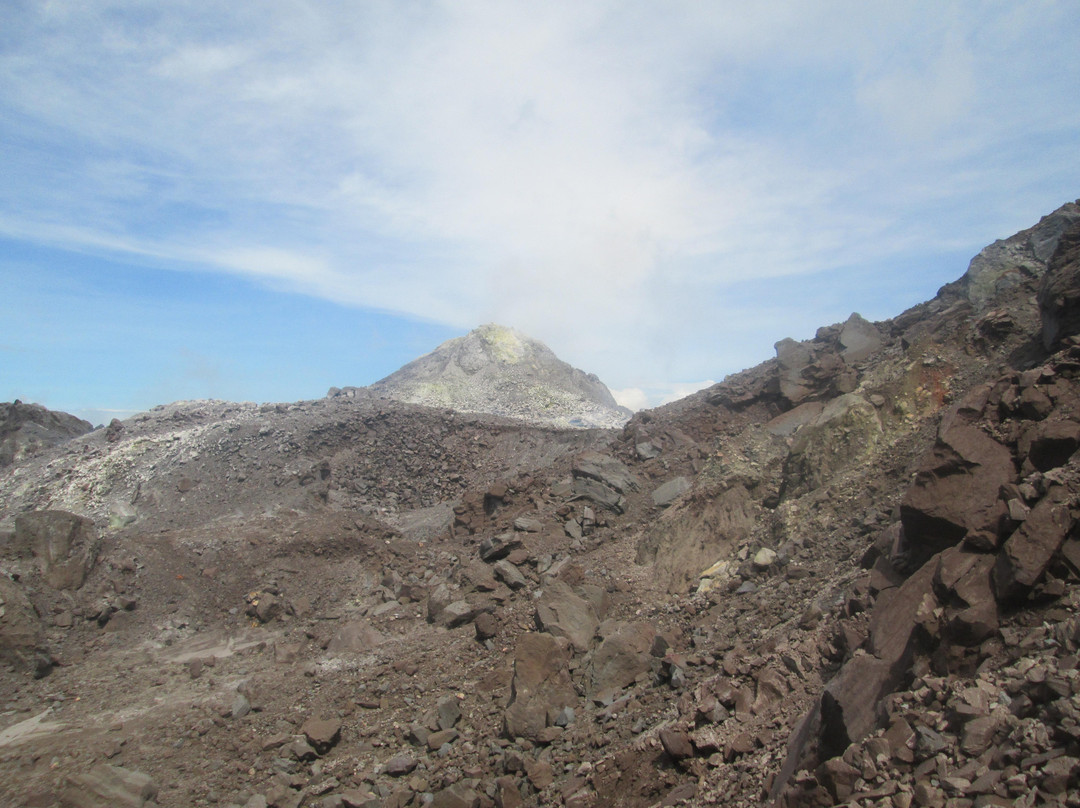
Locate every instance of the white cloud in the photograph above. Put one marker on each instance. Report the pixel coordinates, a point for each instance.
(587, 172)
(637, 398)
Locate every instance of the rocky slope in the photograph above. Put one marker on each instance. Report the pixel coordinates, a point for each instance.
(847, 576)
(498, 370)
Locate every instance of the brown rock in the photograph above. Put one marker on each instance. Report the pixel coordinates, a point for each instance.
(486, 626)
(1050, 444)
(624, 655)
(956, 491)
(676, 743)
(400, 765)
(322, 734)
(896, 615)
(22, 635)
(561, 612)
(107, 786)
(507, 794)
(978, 735)
(839, 777)
(66, 545)
(540, 773)
(851, 701)
(541, 686)
(1028, 552)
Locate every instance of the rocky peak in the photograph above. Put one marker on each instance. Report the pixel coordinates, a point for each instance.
(26, 429)
(501, 371)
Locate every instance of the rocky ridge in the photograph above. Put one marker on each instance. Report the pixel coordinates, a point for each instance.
(845, 577)
(27, 429)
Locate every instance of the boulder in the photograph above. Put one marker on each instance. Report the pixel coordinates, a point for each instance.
(844, 435)
(1028, 552)
(691, 535)
(107, 786)
(541, 687)
(963, 584)
(22, 635)
(509, 574)
(604, 469)
(354, 637)
(1049, 444)
(65, 545)
(670, 491)
(792, 359)
(322, 734)
(896, 616)
(852, 701)
(597, 492)
(458, 795)
(956, 492)
(859, 339)
(625, 654)
(562, 612)
(496, 547)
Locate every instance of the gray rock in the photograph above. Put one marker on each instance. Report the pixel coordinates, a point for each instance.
(859, 339)
(240, 706)
(496, 547)
(65, 545)
(604, 469)
(400, 765)
(670, 491)
(562, 612)
(22, 635)
(509, 574)
(449, 712)
(107, 786)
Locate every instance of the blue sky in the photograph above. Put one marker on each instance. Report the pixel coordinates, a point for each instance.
(260, 201)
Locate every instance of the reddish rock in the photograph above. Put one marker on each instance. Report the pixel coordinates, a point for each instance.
(956, 491)
(1028, 552)
(1049, 444)
(541, 686)
(676, 743)
(322, 734)
(562, 612)
(851, 701)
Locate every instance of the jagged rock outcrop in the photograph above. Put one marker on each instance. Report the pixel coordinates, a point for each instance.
(498, 370)
(27, 429)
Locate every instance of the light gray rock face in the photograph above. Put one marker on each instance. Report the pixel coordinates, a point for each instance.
(1004, 263)
(859, 339)
(500, 371)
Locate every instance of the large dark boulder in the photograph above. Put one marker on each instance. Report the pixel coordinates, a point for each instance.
(956, 493)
